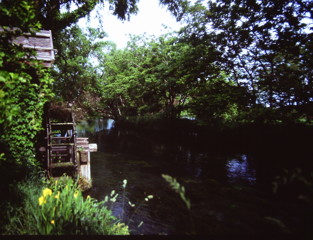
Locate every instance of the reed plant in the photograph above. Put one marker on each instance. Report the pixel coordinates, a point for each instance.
(111, 199)
(180, 189)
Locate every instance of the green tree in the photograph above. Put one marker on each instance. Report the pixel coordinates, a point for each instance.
(122, 86)
(58, 16)
(218, 101)
(154, 76)
(74, 71)
(264, 45)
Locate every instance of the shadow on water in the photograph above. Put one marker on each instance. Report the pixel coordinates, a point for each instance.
(228, 178)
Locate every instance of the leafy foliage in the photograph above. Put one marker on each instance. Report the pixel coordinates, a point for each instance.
(73, 71)
(263, 45)
(218, 101)
(24, 89)
(58, 209)
(153, 76)
(234, 62)
(19, 13)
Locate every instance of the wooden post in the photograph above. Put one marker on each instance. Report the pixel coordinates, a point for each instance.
(83, 153)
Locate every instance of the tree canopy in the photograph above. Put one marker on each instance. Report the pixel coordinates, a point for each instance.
(233, 61)
(264, 45)
(57, 15)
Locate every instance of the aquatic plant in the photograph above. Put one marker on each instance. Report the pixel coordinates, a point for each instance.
(134, 206)
(177, 188)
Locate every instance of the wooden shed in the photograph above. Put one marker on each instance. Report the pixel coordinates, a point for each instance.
(40, 41)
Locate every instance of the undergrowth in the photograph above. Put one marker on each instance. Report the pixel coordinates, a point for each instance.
(59, 208)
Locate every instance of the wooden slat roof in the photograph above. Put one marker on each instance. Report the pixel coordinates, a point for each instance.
(40, 41)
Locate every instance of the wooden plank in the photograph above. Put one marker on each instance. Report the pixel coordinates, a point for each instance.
(38, 48)
(82, 139)
(93, 147)
(62, 165)
(33, 42)
(60, 138)
(55, 148)
(82, 143)
(60, 144)
(61, 124)
(42, 33)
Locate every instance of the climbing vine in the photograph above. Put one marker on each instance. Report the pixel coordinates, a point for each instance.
(24, 89)
(21, 107)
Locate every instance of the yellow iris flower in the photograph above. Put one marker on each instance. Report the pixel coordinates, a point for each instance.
(57, 195)
(41, 200)
(46, 192)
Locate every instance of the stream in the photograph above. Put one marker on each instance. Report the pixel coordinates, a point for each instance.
(228, 181)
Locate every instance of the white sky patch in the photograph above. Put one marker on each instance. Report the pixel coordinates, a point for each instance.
(150, 19)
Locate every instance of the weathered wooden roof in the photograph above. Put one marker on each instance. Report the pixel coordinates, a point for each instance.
(42, 43)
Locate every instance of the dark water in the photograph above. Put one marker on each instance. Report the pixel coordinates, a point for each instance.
(228, 179)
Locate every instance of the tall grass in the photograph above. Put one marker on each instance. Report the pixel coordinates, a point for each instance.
(180, 189)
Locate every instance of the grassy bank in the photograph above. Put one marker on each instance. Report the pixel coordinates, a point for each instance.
(57, 208)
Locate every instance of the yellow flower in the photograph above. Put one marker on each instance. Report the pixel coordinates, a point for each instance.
(41, 200)
(57, 195)
(52, 221)
(75, 194)
(46, 192)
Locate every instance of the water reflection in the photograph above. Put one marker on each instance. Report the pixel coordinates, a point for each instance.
(240, 169)
(110, 124)
(87, 127)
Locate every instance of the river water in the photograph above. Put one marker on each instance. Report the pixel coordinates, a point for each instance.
(228, 181)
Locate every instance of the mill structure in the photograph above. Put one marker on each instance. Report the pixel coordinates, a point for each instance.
(64, 152)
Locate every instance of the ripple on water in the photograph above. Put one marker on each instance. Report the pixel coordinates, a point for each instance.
(240, 168)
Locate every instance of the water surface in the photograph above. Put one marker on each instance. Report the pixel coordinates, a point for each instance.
(229, 190)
